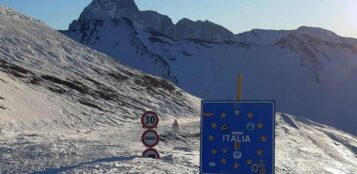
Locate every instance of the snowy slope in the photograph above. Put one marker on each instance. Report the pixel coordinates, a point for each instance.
(67, 109)
(308, 71)
(39, 61)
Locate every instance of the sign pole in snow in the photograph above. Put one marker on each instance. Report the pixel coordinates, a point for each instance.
(239, 87)
(150, 138)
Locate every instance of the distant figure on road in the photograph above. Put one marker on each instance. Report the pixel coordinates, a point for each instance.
(175, 127)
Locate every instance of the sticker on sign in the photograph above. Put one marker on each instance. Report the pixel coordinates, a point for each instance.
(150, 138)
(149, 120)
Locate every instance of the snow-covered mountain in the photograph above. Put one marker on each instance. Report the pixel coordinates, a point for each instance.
(65, 108)
(39, 61)
(308, 71)
(184, 29)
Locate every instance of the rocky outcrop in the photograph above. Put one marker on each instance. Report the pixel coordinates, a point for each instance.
(202, 30)
(184, 29)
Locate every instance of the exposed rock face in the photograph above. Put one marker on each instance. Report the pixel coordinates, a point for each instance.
(203, 30)
(158, 22)
(185, 29)
(110, 9)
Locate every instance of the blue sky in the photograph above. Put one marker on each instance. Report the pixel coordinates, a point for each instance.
(238, 16)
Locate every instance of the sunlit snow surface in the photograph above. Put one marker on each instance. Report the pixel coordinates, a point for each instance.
(66, 108)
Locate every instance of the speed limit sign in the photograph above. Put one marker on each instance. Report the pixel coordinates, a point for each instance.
(149, 120)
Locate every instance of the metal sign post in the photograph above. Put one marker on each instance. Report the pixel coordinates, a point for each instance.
(239, 87)
(237, 137)
(150, 138)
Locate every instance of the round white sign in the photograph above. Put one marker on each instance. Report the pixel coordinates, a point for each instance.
(149, 120)
(150, 138)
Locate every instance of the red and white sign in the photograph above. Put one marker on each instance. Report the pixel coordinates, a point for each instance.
(149, 120)
(150, 138)
(151, 153)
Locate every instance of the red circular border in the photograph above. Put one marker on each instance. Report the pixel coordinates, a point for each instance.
(155, 132)
(142, 120)
(157, 152)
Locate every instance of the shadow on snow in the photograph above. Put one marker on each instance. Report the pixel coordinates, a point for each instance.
(65, 168)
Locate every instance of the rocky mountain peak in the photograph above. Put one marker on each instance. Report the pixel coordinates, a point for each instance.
(110, 9)
(8, 12)
(202, 30)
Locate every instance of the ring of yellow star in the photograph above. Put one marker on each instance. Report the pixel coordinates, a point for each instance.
(236, 165)
(249, 162)
(210, 138)
(260, 125)
(213, 151)
(250, 115)
(263, 138)
(260, 152)
(223, 115)
(223, 161)
(213, 125)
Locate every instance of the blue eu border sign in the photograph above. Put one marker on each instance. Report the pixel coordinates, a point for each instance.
(237, 137)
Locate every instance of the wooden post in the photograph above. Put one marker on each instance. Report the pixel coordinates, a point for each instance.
(240, 86)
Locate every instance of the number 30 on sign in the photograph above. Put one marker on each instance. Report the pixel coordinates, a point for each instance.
(149, 120)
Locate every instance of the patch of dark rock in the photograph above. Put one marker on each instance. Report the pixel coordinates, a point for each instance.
(155, 33)
(2, 107)
(1, 98)
(90, 105)
(97, 71)
(35, 80)
(57, 90)
(152, 82)
(203, 43)
(135, 89)
(229, 42)
(106, 95)
(156, 40)
(118, 77)
(178, 103)
(73, 85)
(186, 53)
(128, 73)
(16, 70)
(91, 80)
(15, 67)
